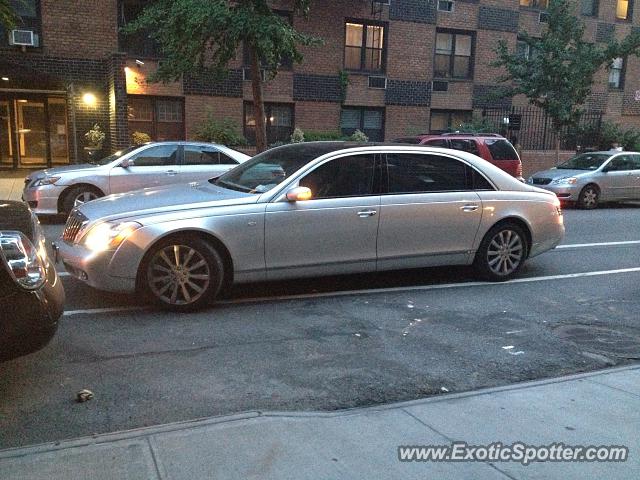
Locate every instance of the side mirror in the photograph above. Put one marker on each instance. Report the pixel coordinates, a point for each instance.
(126, 163)
(298, 194)
(20, 258)
(606, 169)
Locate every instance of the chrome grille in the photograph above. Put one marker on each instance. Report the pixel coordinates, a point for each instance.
(74, 223)
(541, 181)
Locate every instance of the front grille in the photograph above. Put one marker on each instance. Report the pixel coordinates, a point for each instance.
(74, 223)
(541, 181)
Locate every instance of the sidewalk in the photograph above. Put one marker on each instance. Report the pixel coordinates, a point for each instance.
(11, 184)
(600, 408)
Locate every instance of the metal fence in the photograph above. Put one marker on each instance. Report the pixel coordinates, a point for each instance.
(532, 129)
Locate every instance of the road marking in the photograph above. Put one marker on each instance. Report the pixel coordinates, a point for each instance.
(373, 291)
(64, 274)
(93, 311)
(603, 244)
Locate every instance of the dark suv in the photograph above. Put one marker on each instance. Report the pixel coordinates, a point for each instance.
(492, 147)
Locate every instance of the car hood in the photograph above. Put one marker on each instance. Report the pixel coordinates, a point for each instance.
(554, 173)
(52, 172)
(151, 201)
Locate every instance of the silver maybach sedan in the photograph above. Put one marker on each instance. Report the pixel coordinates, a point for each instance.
(308, 210)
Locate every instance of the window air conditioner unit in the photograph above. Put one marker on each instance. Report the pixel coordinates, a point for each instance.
(378, 82)
(439, 86)
(23, 38)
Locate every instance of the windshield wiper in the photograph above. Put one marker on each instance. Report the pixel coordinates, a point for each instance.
(231, 186)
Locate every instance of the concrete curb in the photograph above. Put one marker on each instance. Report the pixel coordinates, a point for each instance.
(105, 438)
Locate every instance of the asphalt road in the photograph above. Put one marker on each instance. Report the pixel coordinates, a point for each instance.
(332, 343)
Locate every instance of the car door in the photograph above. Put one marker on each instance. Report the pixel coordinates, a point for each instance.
(202, 162)
(618, 180)
(429, 214)
(152, 167)
(635, 176)
(335, 231)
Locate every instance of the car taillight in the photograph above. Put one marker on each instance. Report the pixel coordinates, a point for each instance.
(20, 257)
(519, 170)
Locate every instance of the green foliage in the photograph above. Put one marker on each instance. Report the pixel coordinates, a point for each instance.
(344, 84)
(358, 136)
(140, 138)
(297, 136)
(204, 35)
(224, 132)
(8, 16)
(476, 125)
(315, 136)
(95, 137)
(558, 74)
(603, 135)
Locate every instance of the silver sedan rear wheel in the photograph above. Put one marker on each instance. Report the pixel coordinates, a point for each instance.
(505, 253)
(184, 274)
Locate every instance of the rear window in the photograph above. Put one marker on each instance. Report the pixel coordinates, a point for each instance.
(501, 149)
(408, 140)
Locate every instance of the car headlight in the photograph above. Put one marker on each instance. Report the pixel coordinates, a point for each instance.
(46, 181)
(530, 180)
(108, 235)
(22, 260)
(565, 181)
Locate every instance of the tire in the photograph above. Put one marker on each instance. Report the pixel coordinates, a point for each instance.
(502, 252)
(189, 283)
(589, 197)
(78, 195)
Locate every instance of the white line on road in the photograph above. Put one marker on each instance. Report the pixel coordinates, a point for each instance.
(63, 274)
(603, 244)
(371, 291)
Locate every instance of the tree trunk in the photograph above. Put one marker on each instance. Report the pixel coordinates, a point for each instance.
(557, 147)
(258, 102)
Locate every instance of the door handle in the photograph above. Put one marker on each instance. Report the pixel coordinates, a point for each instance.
(367, 213)
(469, 208)
(171, 173)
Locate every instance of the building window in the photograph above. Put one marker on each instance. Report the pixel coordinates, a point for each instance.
(30, 19)
(616, 74)
(445, 5)
(454, 55)
(364, 47)
(137, 44)
(448, 120)
(541, 4)
(370, 121)
(589, 8)
(278, 118)
(624, 9)
(160, 118)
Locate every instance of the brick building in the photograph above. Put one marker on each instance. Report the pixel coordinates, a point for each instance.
(412, 66)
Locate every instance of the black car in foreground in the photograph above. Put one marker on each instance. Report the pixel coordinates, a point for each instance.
(31, 294)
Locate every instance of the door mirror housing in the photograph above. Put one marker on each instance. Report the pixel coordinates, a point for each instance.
(126, 163)
(298, 194)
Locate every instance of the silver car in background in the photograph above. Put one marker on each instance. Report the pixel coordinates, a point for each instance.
(58, 190)
(311, 209)
(591, 178)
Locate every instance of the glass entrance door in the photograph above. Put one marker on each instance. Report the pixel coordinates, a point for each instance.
(32, 132)
(6, 135)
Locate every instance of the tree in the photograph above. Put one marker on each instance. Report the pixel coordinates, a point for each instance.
(8, 16)
(557, 74)
(203, 36)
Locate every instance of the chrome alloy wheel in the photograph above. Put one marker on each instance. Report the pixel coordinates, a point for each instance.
(505, 252)
(178, 275)
(84, 197)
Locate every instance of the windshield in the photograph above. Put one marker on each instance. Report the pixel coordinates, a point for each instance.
(585, 161)
(268, 169)
(114, 156)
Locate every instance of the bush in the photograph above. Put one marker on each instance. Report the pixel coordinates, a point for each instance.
(297, 136)
(323, 136)
(358, 136)
(224, 132)
(476, 125)
(140, 138)
(95, 137)
(604, 135)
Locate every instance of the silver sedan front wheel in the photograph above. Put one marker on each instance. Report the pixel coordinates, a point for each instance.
(84, 197)
(184, 275)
